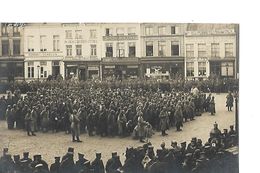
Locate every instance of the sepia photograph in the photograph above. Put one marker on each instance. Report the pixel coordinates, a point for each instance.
(119, 97)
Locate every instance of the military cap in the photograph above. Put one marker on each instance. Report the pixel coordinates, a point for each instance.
(25, 153)
(16, 157)
(5, 150)
(183, 143)
(70, 149)
(57, 158)
(194, 139)
(173, 143)
(80, 155)
(163, 144)
(199, 140)
(98, 154)
(114, 154)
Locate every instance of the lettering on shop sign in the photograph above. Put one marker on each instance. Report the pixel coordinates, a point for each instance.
(211, 32)
(51, 54)
(120, 37)
(79, 41)
(15, 24)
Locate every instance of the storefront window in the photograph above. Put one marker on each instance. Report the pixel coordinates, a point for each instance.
(202, 68)
(190, 69)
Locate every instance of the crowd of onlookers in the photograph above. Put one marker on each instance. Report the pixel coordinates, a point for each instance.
(186, 157)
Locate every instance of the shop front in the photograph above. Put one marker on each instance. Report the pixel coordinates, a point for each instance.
(82, 70)
(162, 68)
(120, 68)
(222, 68)
(11, 69)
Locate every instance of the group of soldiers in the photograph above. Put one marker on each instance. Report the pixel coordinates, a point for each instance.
(183, 158)
(104, 111)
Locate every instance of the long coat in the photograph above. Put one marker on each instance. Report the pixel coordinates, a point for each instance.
(230, 100)
(164, 120)
(178, 115)
(75, 124)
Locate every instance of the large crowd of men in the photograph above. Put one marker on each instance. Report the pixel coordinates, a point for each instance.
(105, 109)
(194, 157)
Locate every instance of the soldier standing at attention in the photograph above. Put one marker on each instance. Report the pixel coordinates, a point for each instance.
(229, 102)
(75, 126)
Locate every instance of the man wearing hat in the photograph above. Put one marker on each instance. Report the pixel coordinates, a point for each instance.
(80, 162)
(6, 164)
(17, 163)
(67, 164)
(97, 165)
(215, 132)
(175, 147)
(192, 145)
(55, 167)
(113, 164)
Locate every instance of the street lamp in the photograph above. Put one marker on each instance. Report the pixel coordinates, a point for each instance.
(38, 67)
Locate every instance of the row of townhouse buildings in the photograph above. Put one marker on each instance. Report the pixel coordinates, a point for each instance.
(118, 50)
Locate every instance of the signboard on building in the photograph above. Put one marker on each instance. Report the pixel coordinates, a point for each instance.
(210, 32)
(43, 54)
(79, 41)
(120, 37)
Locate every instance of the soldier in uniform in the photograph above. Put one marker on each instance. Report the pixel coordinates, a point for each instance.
(28, 123)
(9, 117)
(97, 165)
(212, 106)
(215, 133)
(178, 117)
(113, 164)
(164, 120)
(75, 126)
(55, 167)
(229, 102)
(79, 165)
(17, 164)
